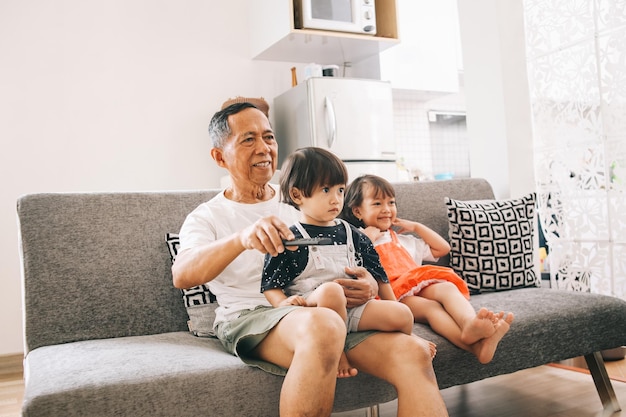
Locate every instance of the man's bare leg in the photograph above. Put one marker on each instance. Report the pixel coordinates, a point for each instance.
(405, 362)
(308, 341)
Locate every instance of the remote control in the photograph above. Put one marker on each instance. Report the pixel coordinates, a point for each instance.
(307, 242)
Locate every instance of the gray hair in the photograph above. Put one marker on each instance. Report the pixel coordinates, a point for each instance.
(219, 129)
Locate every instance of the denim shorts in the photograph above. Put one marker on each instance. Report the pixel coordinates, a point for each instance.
(243, 334)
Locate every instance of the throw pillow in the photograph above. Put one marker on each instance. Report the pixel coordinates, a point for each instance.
(198, 300)
(192, 296)
(492, 243)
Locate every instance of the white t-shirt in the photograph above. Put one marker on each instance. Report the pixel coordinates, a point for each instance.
(238, 287)
(417, 248)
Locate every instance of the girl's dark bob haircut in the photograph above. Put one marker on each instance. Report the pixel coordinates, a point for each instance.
(308, 168)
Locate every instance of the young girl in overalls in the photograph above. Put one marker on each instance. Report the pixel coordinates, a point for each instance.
(436, 295)
(313, 180)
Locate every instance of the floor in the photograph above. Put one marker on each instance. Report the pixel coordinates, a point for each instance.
(546, 391)
(11, 385)
(559, 390)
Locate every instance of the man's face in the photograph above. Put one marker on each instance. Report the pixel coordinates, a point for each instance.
(250, 154)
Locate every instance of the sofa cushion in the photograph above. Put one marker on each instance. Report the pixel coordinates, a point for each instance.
(492, 243)
(199, 301)
(169, 374)
(550, 325)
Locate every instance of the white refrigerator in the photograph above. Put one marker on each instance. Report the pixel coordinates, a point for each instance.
(351, 117)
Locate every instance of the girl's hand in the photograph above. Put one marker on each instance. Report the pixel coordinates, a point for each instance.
(438, 245)
(373, 233)
(294, 300)
(404, 226)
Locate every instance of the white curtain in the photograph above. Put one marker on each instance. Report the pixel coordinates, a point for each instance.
(576, 57)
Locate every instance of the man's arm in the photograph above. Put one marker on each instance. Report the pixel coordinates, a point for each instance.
(196, 266)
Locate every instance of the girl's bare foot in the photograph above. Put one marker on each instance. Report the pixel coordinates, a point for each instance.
(498, 316)
(433, 349)
(481, 326)
(485, 349)
(345, 369)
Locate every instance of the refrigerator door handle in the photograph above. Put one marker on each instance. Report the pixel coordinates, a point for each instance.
(331, 122)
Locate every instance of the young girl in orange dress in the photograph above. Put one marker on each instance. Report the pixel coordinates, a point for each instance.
(436, 295)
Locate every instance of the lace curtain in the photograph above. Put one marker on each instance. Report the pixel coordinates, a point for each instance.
(576, 58)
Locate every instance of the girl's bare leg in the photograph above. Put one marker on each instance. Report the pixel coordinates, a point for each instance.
(474, 326)
(387, 316)
(433, 314)
(331, 295)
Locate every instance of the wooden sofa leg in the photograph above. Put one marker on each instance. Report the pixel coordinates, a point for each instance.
(372, 411)
(595, 363)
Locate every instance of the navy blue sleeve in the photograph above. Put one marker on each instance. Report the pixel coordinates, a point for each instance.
(367, 256)
(280, 270)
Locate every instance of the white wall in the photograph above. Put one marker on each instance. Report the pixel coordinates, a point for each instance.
(113, 95)
(116, 95)
(499, 122)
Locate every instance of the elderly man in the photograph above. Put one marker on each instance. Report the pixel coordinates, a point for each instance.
(223, 242)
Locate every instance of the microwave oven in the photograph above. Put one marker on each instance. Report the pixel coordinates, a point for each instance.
(355, 16)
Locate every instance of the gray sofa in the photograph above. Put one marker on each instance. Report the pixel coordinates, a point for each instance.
(106, 332)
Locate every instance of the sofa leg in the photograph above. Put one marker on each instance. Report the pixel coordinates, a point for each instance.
(372, 411)
(595, 363)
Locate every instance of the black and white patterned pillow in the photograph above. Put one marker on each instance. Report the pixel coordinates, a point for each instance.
(191, 296)
(492, 243)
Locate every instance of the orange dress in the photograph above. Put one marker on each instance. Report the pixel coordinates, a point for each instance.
(409, 278)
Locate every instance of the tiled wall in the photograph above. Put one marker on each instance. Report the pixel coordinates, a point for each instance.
(429, 149)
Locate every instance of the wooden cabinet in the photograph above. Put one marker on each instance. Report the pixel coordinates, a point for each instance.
(275, 38)
(428, 57)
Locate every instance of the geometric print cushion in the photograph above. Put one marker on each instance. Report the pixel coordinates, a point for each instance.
(492, 243)
(194, 296)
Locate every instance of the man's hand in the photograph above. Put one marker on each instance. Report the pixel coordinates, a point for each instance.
(266, 235)
(360, 289)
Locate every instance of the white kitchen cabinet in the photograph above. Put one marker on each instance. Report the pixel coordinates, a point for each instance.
(275, 38)
(428, 56)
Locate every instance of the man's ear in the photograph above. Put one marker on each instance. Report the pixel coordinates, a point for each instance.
(218, 157)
